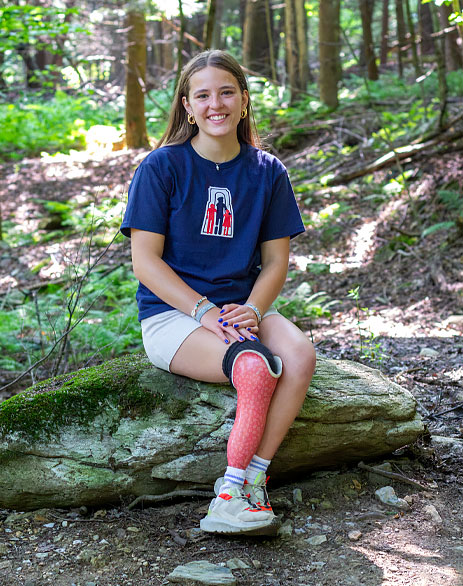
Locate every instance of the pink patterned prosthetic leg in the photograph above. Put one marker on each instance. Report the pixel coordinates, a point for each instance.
(254, 381)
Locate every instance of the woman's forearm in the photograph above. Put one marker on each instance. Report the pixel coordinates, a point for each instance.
(157, 275)
(268, 286)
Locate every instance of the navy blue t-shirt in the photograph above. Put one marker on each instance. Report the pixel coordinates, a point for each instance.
(213, 217)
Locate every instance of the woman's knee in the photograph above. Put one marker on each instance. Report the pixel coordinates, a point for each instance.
(299, 361)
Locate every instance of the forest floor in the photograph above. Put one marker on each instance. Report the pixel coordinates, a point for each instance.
(409, 324)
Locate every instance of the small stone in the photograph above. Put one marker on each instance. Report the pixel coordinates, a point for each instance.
(286, 529)
(326, 505)
(133, 529)
(297, 496)
(202, 572)
(315, 566)
(194, 534)
(49, 525)
(237, 564)
(316, 540)
(42, 555)
(257, 564)
(431, 512)
(429, 352)
(387, 496)
(354, 535)
(95, 537)
(377, 478)
(64, 524)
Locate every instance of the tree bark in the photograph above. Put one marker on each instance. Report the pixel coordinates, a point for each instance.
(453, 54)
(255, 40)
(401, 32)
(180, 42)
(210, 23)
(441, 70)
(411, 28)
(126, 429)
(135, 123)
(167, 45)
(384, 33)
(302, 48)
(425, 29)
(329, 37)
(366, 12)
(291, 48)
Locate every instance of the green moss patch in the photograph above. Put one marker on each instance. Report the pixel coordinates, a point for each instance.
(79, 397)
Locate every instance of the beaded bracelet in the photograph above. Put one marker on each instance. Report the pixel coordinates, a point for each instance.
(204, 309)
(256, 311)
(193, 311)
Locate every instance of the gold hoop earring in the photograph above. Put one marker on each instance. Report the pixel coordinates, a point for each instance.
(244, 113)
(191, 119)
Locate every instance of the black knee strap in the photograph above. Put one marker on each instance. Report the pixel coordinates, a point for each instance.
(237, 347)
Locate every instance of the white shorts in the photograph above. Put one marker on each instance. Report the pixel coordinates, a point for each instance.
(164, 333)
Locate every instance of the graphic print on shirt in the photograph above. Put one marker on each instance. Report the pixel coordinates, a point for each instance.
(218, 216)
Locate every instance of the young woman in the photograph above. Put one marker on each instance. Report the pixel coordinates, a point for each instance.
(210, 216)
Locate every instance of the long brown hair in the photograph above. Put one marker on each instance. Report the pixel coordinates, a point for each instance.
(178, 128)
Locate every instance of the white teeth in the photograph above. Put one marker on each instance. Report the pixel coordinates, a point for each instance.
(218, 117)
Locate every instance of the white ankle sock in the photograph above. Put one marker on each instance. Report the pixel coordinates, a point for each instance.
(233, 477)
(256, 466)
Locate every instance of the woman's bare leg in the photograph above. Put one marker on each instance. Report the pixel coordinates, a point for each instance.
(200, 357)
(285, 340)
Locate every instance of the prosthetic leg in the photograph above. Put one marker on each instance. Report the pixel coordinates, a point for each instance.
(254, 372)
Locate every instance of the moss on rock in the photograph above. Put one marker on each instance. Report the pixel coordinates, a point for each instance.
(79, 397)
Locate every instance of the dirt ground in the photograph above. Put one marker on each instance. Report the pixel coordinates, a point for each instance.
(412, 317)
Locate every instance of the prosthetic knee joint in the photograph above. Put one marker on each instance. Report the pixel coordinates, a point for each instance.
(252, 364)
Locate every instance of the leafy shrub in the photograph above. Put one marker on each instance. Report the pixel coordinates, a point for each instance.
(30, 126)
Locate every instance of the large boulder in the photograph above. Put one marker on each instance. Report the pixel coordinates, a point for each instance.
(125, 429)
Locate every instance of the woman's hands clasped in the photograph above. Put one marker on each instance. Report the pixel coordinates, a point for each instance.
(232, 323)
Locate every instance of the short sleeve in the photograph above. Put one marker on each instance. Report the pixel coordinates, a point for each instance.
(148, 201)
(282, 217)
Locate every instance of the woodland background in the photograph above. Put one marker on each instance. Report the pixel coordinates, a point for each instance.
(356, 97)
(362, 101)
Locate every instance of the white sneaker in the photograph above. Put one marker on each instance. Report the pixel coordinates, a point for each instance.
(232, 512)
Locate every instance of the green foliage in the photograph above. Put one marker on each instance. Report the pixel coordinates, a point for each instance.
(33, 25)
(29, 328)
(369, 348)
(30, 126)
(302, 303)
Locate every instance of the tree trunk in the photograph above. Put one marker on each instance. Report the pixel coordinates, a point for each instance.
(384, 33)
(217, 42)
(328, 35)
(366, 12)
(126, 429)
(453, 54)
(302, 48)
(135, 123)
(411, 28)
(291, 48)
(425, 29)
(440, 58)
(210, 23)
(167, 46)
(180, 42)
(401, 35)
(255, 40)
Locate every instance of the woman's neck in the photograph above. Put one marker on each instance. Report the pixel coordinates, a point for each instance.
(216, 150)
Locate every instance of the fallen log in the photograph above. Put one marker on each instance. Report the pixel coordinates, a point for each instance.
(393, 156)
(126, 429)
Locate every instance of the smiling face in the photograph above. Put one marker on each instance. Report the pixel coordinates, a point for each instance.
(216, 102)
